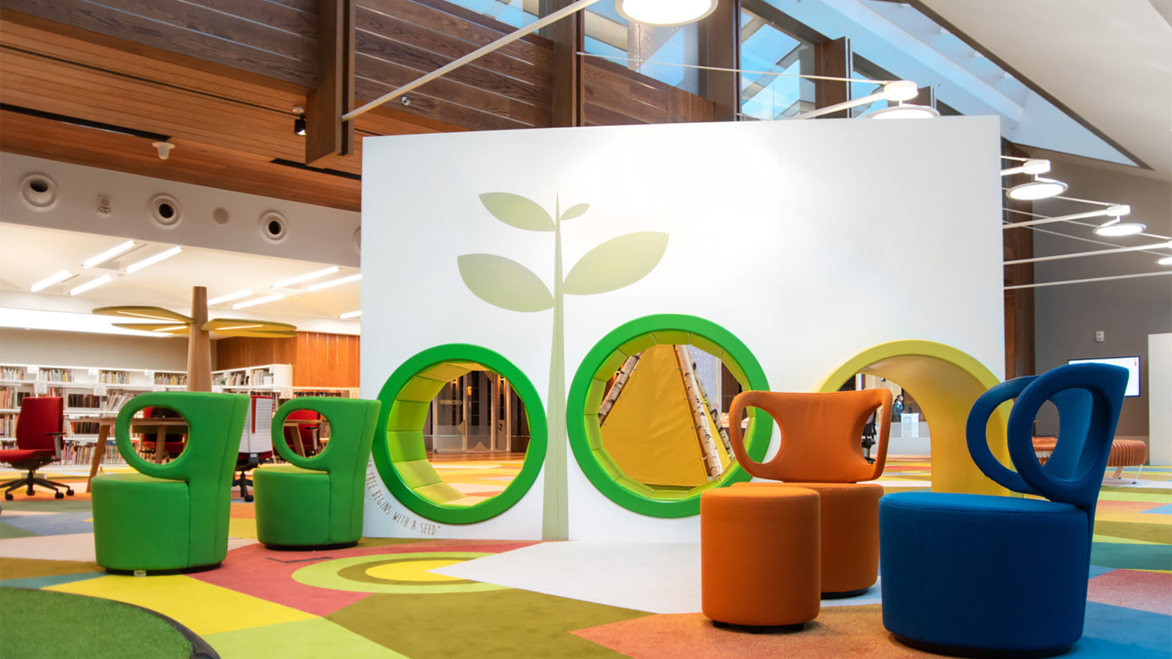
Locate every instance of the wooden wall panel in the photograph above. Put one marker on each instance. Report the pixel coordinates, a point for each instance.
(244, 352)
(615, 95)
(399, 40)
(318, 359)
(326, 360)
(251, 36)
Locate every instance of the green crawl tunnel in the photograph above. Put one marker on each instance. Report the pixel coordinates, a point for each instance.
(399, 451)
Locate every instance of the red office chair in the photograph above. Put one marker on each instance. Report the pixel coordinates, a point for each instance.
(173, 442)
(307, 432)
(39, 429)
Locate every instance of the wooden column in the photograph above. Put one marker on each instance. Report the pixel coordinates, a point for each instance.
(326, 133)
(199, 343)
(568, 37)
(832, 58)
(721, 34)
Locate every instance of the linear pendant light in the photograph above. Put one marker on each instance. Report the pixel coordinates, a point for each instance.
(55, 278)
(101, 258)
(151, 260)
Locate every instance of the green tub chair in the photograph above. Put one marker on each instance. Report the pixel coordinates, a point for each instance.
(171, 517)
(316, 502)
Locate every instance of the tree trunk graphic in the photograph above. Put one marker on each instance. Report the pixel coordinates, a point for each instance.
(504, 283)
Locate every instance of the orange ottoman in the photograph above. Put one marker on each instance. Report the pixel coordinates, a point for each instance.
(759, 558)
(850, 534)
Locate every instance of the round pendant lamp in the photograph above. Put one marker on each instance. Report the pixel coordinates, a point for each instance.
(905, 111)
(665, 12)
(1119, 228)
(1039, 188)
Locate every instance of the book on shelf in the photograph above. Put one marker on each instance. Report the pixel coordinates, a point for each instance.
(57, 374)
(13, 373)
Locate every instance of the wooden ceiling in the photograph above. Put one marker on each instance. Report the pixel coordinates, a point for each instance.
(231, 129)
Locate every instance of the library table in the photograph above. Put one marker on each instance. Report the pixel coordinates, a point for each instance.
(160, 426)
(106, 424)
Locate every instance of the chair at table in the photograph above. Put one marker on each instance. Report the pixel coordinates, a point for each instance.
(316, 502)
(172, 516)
(304, 433)
(1002, 575)
(39, 429)
(173, 442)
(821, 450)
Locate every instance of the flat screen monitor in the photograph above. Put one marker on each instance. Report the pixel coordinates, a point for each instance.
(1130, 363)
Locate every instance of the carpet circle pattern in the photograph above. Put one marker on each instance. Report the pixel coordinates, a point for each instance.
(393, 573)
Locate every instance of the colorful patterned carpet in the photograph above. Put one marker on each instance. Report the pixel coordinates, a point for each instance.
(408, 598)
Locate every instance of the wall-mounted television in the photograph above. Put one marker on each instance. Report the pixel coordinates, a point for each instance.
(1130, 363)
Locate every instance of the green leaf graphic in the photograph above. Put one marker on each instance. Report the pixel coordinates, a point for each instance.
(504, 283)
(517, 211)
(575, 211)
(616, 263)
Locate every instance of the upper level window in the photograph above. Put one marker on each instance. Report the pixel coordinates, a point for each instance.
(517, 13)
(766, 52)
(659, 52)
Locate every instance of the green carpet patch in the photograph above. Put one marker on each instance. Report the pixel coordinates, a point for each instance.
(41, 623)
(9, 531)
(1133, 557)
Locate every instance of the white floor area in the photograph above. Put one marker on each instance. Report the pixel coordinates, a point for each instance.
(651, 577)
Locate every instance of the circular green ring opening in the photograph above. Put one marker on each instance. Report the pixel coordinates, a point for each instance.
(589, 383)
(399, 452)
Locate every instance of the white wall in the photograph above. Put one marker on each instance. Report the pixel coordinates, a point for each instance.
(46, 348)
(832, 237)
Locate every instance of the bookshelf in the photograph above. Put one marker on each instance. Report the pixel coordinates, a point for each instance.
(88, 391)
(271, 379)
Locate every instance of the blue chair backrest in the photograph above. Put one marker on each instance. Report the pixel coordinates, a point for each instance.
(1088, 397)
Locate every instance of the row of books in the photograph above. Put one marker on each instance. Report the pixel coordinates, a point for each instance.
(13, 373)
(56, 374)
(10, 397)
(81, 453)
(114, 377)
